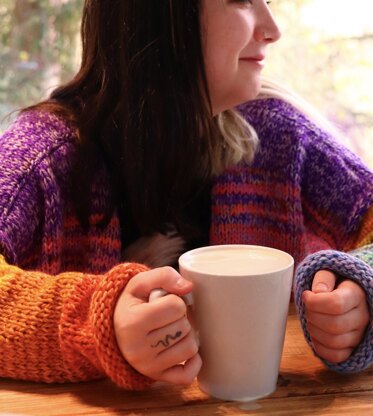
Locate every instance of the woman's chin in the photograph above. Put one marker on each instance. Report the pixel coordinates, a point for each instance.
(242, 97)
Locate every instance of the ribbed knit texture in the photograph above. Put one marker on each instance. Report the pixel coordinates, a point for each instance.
(59, 328)
(351, 267)
(303, 193)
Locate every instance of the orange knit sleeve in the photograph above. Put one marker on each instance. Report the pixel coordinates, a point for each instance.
(60, 328)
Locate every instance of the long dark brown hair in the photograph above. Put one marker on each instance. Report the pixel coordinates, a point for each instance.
(140, 101)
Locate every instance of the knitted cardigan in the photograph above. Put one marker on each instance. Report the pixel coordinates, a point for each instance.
(59, 284)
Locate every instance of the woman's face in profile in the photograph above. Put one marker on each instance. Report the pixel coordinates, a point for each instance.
(235, 35)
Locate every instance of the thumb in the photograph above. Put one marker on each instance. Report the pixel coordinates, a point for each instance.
(323, 281)
(165, 278)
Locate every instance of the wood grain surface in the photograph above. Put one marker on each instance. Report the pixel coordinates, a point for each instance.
(305, 387)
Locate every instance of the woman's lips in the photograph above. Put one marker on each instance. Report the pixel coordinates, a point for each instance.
(258, 60)
(253, 58)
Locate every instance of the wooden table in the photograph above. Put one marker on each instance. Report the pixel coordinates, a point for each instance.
(305, 388)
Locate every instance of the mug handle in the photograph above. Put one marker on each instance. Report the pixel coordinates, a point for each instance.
(159, 293)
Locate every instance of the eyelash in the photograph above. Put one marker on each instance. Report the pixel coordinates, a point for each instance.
(251, 2)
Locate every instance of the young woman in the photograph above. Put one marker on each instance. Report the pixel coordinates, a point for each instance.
(143, 155)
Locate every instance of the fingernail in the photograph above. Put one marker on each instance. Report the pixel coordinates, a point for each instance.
(321, 287)
(181, 282)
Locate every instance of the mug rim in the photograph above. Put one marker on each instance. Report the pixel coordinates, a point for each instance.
(185, 265)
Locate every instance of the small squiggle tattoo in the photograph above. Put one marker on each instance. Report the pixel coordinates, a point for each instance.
(166, 342)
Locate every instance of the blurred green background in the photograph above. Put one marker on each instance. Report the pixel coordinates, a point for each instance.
(325, 55)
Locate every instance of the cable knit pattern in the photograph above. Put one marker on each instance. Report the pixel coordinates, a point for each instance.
(350, 267)
(59, 283)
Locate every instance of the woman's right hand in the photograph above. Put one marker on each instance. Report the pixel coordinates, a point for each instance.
(156, 338)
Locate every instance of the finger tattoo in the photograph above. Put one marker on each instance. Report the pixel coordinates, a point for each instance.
(166, 341)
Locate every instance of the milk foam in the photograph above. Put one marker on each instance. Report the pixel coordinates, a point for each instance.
(236, 260)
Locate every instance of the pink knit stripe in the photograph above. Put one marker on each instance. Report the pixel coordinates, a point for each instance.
(328, 230)
(266, 189)
(258, 211)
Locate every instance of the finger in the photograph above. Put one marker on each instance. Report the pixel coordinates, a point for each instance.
(336, 324)
(323, 281)
(347, 340)
(353, 291)
(163, 311)
(332, 355)
(183, 374)
(337, 302)
(182, 351)
(166, 337)
(166, 278)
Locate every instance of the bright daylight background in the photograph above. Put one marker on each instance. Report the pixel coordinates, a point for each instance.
(325, 55)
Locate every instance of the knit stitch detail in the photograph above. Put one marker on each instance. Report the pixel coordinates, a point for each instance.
(302, 192)
(364, 253)
(60, 328)
(365, 235)
(348, 266)
(38, 225)
(104, 302)
(334, 182)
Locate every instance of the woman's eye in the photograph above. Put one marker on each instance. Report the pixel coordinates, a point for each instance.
(244, 1)
(250, 1)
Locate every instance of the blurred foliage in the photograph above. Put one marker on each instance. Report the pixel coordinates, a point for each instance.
(40, 47)
(333, 71)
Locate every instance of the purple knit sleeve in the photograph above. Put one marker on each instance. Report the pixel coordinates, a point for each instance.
(26, 148)
(336, 187)
(353, 268)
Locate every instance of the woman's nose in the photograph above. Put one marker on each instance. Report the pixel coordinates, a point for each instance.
(267, 29)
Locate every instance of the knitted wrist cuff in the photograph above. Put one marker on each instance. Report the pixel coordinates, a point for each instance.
(350, 267)
(104, 301)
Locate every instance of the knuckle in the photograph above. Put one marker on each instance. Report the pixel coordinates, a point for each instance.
(186, 326)
(336, 327)
(329, 354)
(339, 356)
(335, 342)
(148, 368)
(168, 270)
(337, 303)
(192, 348)
(359, 335)
(176, 306)
(357, 289)
(365, 320)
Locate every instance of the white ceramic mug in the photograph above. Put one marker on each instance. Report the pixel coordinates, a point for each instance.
(241, 298)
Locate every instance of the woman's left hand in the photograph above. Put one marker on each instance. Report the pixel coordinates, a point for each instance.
(337, 317)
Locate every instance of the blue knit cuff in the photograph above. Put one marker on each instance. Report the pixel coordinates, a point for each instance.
(353, 268)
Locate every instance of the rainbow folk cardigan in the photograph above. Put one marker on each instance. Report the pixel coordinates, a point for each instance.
(304, 193)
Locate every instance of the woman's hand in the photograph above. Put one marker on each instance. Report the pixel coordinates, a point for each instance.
(156, 338)
(336, 317)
